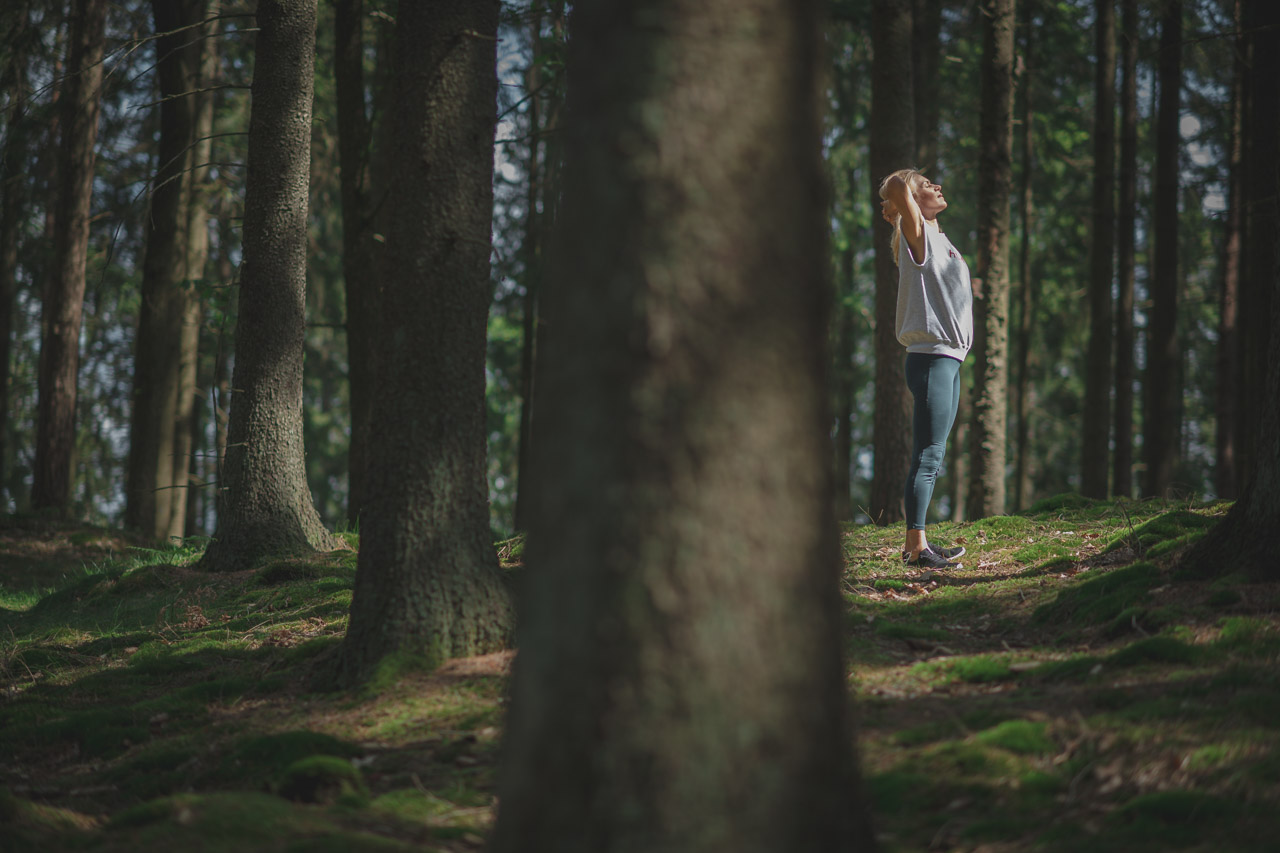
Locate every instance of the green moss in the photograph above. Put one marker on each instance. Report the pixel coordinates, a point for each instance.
(323, 779)
(150, 812)
(288, 571)
(1257, 707)
(264, 758)
(1077, 668)
(394, 667)
(1154, 650)
(36, 823)
(1139, 619)
(905, 631)
(927, 733)
(1002, 526)
(905, 791)
(413, 804)
(1058, 503)
(1225, 598)
(98, 732)
(1179, 808)
(1245, 634)
(974, 669)
(1100, 599)
(970, 760)
(1020, 736)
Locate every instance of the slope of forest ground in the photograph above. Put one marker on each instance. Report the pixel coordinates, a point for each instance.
(1068, 689)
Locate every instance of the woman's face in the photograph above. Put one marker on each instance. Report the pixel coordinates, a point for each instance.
(928, 196)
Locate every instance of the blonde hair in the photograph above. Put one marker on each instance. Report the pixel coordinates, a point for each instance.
(912, 178)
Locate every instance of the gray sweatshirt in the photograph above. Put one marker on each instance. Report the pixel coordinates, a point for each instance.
(935, 298)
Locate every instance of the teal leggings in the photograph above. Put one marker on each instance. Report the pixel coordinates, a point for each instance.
(934, 381)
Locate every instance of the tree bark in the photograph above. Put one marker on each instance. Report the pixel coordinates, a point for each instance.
(926, 57)
(267, 506)
(164, 360)
(1248, 537)
(844, 383)
(13, 199)
(185, 471)
(533, 256)
(1162, 414)
(358, 267)
(63, 299)
(1096, 429)
(892, 147)
(544, 190)
(679, 684)
(1122, 476)
(1227, 369)
(1023, 391)
(428, 585)
(1260, 248)
(991, 292)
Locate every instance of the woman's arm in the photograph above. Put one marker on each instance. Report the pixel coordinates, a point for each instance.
(898, 194)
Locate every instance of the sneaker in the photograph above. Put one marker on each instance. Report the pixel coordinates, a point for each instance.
(945, 553)
(929, 558)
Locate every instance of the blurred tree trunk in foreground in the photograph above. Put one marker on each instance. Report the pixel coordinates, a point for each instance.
(679, 684)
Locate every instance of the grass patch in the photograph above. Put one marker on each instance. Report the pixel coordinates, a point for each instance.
(155, 707)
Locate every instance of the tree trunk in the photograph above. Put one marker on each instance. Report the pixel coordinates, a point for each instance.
(164, 361)
(63, 300)
(267, 506)
(1248, 537)
(1161, 427)
(926, 56)
(1096, 429)
(358, 274)
(428, 585)
(196, 260)
(546, 124)
(1260, 247)
(532, 255)
(843, 376)
(1122, 477)
(1226, 391)
(991, 292)
(1023, 391)
(679, 685)
(13, 197)
(892, 147)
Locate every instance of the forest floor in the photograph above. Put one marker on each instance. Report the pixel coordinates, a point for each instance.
(1071, 688)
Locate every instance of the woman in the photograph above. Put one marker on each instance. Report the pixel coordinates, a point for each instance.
(935, 324)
